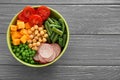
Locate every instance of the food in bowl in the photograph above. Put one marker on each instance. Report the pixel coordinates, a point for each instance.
(37, 36)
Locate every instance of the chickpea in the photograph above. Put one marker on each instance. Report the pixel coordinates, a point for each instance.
(44, 31)
(38, 43)
(44, 40)
(41, 32)
(36, 26)
(32, 29)
(31, 36)
(36, 48)
(40, 28)
(45, 35)
(34, 40)
(36, 37)
(30, 45)
(29, 41)
(36, 32)
(40, 40)
(34, 44)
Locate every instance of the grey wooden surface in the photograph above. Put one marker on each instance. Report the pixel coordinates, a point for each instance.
(94, 47)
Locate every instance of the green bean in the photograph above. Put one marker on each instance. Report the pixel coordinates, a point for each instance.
(60, 41)
(57, 31)
(47, 28)
(52, 35)
(63, 25)
(50, 21)
(64, 39)
(48, 39)
(54, 25)
(55, 21)
(55, 38)
(48, 25)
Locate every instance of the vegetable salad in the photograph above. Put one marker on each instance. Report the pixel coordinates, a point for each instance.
(37, 38)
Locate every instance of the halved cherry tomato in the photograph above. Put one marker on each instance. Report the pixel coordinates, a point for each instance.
(35, 20)
(28, 11)
(44, 12)
(22, 17)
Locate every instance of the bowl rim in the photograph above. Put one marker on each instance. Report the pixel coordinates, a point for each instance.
(41, 65)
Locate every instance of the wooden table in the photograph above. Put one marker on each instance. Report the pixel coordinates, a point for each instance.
(94, 47)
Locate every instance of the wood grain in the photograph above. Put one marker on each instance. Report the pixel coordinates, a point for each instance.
(82, 19)
(60, 72)
(60, 2)
(82, 50)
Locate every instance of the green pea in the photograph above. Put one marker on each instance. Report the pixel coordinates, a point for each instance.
(17, 49)
(20, 57)
(26, 60)
(23, 54)
(14, 50)
(17, 54)
(32, 62)
(26, 47)
(27, 54)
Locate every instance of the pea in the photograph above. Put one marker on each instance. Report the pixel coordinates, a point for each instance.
(22, 48)
(26, 60)
(23, 54)
(26, 47)
(27, 54)
(20, 57)
(32, 62)
(14, 50)
(17, 54)
(17, 49)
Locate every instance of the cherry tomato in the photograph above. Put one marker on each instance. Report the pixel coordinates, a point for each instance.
(44, 12)
(35, 20)
(28, 11)
(22, 17)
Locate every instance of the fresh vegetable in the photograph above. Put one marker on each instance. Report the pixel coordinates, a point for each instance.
(28, 11)
(62, 24)
(37, 35)
(24, 53)
(59, 32)
(64, 39)
(44, 12)
(34, 16)
(35, 20)
(56, 29)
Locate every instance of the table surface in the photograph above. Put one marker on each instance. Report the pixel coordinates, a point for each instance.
(94, 47)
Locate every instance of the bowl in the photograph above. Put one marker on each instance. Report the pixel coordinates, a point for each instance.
(53, 13)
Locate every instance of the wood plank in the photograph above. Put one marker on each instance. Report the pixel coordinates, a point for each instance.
(82, 19)
(60, 73)
(82, 50)
(60, 1)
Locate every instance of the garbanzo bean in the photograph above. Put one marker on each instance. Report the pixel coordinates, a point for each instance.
(32, 29)
(30, 45)
(42, 32)
(44, 40)
(29, 41)
(45, 35)
(31, 36)
(36, 32)
(34, 40)
(36, 26)
(38, 43)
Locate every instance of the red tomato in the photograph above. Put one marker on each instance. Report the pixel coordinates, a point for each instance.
(28, 11)
(35, 20)
(22, 17)
(44, 12)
